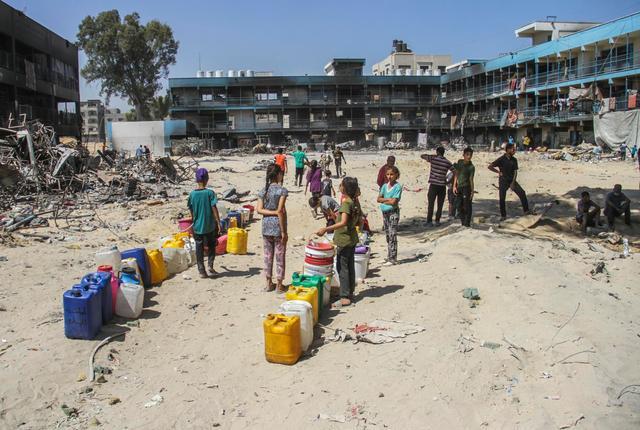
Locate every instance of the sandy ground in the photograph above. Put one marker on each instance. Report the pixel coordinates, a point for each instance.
(199, 344)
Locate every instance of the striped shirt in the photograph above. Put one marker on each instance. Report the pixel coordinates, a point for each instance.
(439, 168)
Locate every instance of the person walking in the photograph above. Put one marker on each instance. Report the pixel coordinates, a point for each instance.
(507, 169)
(300, 160)
(437, 183)
(281, 160)
(338, 158)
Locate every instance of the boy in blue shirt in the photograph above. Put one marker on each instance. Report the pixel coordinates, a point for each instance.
(389, 197)
(206, 221)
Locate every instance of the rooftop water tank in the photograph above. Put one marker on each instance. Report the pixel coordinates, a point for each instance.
(210, 74)
(398, 72)
(436, 72)
(219, 74)
(428, 72)
(419, 72)
(250, 73)
(231, 74)
(241, 74)
(200, 74)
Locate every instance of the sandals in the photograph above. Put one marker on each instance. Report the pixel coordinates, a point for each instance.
(341, 303)
(270, 288)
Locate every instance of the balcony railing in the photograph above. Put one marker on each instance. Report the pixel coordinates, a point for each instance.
(586, 70)
(192, 102)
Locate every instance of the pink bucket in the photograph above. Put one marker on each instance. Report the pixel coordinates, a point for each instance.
(185, 225)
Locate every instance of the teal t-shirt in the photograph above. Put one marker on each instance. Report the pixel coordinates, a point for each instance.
(394, 192)
(200, 203)
(299, 156)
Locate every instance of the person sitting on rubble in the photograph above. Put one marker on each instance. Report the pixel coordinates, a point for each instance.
(588, 212)
(617, 205)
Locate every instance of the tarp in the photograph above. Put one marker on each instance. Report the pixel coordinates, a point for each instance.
(615, 128)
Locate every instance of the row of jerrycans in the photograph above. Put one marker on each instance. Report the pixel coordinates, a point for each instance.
(289, 332)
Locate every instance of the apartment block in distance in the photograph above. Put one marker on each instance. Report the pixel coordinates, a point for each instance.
(38, 73)
(550, 91)
(92, 112)
(403, 61)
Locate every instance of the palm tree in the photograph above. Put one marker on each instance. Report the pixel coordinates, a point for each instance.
(159, 107)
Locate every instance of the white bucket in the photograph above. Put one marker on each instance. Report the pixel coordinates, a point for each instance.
(245, 214)
(109, 257)
(310, 269)
(304, 311)
(361, 266)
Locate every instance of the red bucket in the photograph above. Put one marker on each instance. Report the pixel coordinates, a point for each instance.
(318, 261)
(251, 210)
(221, 247)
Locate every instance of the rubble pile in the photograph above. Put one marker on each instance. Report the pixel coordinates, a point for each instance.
(42, 180)
(583, 152)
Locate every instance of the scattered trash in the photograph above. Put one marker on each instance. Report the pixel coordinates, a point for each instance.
(615, 296)
(81, 377)
(69, 411)
(155, 400)
(114, 400)
(625, 248)
(94, 422)
(186, 277)
(3, 258)
(102, 370)
(552, 397)
(600, 268)
(101, 379)
(573, 424)
(546, 375)
(333, 418)
(135, 323)
(471, 293)
(377, 332)
(490, 345)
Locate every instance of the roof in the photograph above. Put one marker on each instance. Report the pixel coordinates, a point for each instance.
(545, 26)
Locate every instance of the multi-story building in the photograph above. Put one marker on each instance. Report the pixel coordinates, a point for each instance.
(549, 91)
(403, 61)
(113, 115)
(38, 73)
(93, 117)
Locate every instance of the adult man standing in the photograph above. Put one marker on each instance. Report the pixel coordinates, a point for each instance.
(617, 205)
(382, 173)
(507, 168)
(338, 158)
(437, 183)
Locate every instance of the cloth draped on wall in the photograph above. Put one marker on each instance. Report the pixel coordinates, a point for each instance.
(616, 128)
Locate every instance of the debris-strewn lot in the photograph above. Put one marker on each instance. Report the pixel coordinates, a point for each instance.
(523, 327)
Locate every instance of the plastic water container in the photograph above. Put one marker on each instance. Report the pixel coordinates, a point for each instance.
(282, 339)
(176, 260)
(156, 266)
(304, 311)
(82, 313)
(232, 223)
(245, 214)
(312, 281)
(129, 276)
(130, 300)
(237, 216)
(312, 269)
(109, 257)
(237, 239)
(221, 246)
(185, 225)
(133, 264)
(103, 281)
(140, 254)
(318, 261)
(115, 285)
(361, 266)
(224, 225)
(251, 211)
(309, 295)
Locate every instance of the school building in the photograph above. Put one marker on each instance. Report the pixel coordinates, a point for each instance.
(550, 91)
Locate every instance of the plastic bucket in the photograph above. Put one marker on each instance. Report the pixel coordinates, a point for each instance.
(361, 266)
(319, 261)
(221, 247)
(245, 214)
(251, 210)
(319, 250)
(185, 225)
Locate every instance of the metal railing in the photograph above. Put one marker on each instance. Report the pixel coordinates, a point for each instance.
(586, 70)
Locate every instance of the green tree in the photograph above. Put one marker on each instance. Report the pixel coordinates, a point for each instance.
(127, 58)
(159, 107)
(131, 115)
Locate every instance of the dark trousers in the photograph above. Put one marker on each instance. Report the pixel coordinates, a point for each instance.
(209, 240)
(299, 174)
(453, 205)
(613, 213)
(439, 192)
(504, 186)
(338, 168)
(346, 267)
(465, 208)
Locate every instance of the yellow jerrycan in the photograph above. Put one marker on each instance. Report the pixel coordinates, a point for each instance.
(309, 295)
(237, 239)
(282, 339)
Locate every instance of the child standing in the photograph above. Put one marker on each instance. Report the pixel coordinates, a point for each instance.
(281, 161)
(463, 186)
(346, 238)
(300, 160)
(206, 221)
(389, 199)
(314, 179)
(271, 205)
(327, 185)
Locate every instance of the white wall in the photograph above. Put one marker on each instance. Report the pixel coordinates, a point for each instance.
(128, 136)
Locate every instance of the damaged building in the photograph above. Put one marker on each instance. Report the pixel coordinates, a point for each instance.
(551, 91)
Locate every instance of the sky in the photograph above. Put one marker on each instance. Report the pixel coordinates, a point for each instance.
(292, 37)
